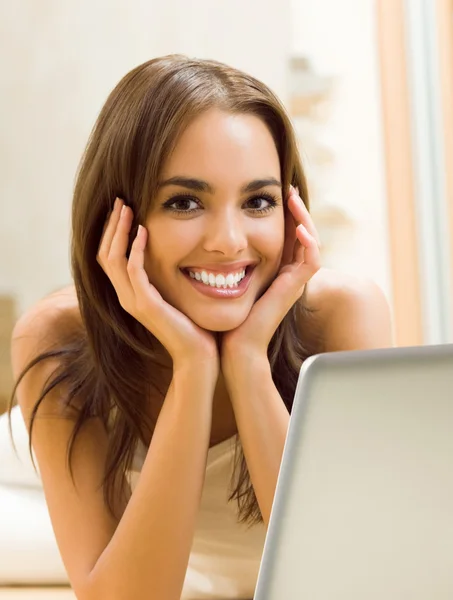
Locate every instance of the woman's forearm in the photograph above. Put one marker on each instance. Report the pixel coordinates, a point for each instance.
(148, 555)
(262, 419)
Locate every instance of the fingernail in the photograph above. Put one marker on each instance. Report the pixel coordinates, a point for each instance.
(297, 191)
(116, 203)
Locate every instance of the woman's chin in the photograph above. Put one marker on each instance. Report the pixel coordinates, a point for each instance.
(219, 323)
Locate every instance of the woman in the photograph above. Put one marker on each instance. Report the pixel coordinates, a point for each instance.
(195, 302)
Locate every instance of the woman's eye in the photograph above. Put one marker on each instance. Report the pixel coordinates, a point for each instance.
(261, 203)
(182, 204)
(257, 202)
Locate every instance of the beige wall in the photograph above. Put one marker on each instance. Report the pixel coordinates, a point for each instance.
(340, 39)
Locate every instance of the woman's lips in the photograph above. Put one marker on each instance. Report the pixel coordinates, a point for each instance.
(223, 293)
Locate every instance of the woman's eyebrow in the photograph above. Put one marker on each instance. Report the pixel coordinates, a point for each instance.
(198, 185)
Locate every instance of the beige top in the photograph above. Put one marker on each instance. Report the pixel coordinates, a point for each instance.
(225, 554)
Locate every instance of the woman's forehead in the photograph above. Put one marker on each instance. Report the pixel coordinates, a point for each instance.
(220, 145)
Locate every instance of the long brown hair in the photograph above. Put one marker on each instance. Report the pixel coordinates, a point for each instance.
(104, 365)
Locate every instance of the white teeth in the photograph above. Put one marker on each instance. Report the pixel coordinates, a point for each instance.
(230, 280)
(219, 281)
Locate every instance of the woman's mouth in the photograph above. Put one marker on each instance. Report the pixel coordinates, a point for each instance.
(226, 286)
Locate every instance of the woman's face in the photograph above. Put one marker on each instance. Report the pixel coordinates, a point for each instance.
(211, 227)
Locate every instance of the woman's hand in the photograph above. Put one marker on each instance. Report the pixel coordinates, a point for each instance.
(182, 338)
(300, 261)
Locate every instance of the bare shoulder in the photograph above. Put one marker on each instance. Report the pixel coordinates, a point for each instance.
(42, 327)
(328, 287)
(353, 312)
(58, 309)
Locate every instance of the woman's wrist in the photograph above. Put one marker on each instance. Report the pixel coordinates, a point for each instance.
(240, 369)
(204, 370)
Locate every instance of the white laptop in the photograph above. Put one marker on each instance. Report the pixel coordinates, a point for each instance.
(364, 502)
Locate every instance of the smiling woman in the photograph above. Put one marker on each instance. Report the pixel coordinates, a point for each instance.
(228, 216)
(197, 296)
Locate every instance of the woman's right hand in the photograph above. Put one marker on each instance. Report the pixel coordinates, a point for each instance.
(181, 337)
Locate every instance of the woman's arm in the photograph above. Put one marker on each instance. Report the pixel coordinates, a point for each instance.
(144, 552)
(262, 420)
(148, 554)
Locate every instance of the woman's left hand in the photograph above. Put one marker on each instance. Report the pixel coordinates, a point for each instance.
(300, 261)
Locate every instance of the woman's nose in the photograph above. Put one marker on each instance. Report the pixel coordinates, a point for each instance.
(225, 233)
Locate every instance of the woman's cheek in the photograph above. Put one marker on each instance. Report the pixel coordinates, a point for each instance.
(271, 240)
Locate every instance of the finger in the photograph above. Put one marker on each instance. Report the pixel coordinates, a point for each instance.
(308, 251)
(136, 267)
(116, 259)
(109, 229)
(303, 240)
(301, 214)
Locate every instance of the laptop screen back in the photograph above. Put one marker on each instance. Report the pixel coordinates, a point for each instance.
(364, 502)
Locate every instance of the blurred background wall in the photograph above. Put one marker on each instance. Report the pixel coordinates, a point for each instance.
(334, 65)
